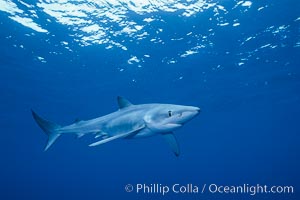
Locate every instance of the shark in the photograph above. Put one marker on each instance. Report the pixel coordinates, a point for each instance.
(128, 122)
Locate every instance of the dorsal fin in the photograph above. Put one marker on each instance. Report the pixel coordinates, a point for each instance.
(123, 103)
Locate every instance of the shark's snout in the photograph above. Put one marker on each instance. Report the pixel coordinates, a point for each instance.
(193, 111)
(187, 114)
(196, 109)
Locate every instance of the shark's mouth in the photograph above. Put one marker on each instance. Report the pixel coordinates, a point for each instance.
(173, 126)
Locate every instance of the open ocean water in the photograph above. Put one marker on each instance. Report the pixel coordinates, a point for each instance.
(236, 60)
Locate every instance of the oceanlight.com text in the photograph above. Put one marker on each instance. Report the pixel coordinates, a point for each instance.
(250, 189)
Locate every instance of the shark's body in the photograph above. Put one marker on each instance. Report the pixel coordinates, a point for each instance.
(130, 121)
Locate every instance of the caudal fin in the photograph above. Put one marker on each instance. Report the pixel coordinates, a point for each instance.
(50, 128)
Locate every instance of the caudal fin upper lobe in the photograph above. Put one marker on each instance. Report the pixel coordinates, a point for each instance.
(50, 128)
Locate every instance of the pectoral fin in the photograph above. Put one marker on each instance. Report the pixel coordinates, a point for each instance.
(123, 135)
(172, 142)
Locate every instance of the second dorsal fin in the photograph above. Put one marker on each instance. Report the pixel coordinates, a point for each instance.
(77, 120)
(123, 103)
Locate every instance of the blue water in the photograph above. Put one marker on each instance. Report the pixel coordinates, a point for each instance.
(237, 60)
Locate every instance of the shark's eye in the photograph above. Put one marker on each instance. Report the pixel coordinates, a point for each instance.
(170, 113)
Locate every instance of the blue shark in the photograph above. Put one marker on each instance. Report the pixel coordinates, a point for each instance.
(129, 122)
